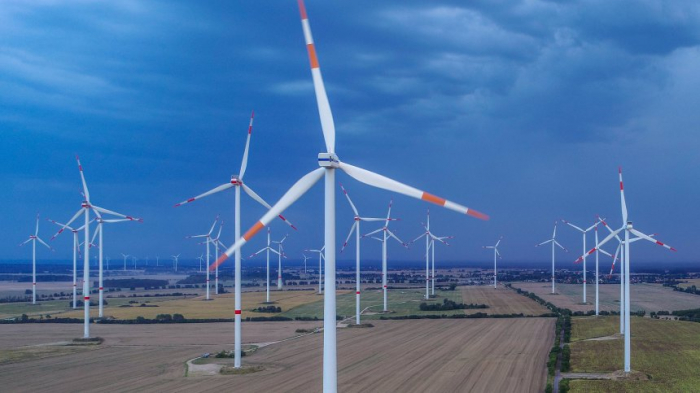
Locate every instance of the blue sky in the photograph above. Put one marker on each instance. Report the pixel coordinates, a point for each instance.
(522, 110)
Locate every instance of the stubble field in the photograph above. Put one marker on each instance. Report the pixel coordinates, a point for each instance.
(647, 297)
(406, 356)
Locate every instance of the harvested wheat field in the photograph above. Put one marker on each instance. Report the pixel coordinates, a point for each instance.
(405, 356)
(647, 297)
(500, 301)
(220, 307)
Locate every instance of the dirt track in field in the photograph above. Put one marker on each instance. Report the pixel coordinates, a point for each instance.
(406, 356)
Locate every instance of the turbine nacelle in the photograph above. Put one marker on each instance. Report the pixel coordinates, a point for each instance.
(235, 180)
(85, 204)
(629, 225)
(328, 160)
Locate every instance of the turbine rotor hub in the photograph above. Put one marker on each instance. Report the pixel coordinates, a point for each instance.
(329, 160)
(235, 180)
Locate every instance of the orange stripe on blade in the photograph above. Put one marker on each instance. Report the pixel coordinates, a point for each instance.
(252, 231)
(433, 199)
(312, 56)
(302, 9)
(477, 214)
(218, 262)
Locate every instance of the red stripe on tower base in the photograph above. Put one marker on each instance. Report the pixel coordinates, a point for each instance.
(357, 293)
(101, 288)
(86, 298)
(384, 286)
(238, 312)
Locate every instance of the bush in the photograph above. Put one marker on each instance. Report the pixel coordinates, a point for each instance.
(549, 388)
(565, 359)
(564, 386)
(448, 305)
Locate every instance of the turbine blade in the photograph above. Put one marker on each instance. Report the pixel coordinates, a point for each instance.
(36, 231)
(324, 108)
(81, 211)
(572, 225)
(82, 177)
(295, 192)
(257, 252)
(373, 232)
(499, 241)
(113, 213)
(354, 209)
(391, 234)
(261, 201)
(651, 239)
(213, 225)
(212, 191)
(418, 238)
(622, 199)
(602, 242)
(244, 162)
(373, 219)
(347, 239)
(544, 242)
(604, 252)
(383, 182)
(560, 246)
(42, 242)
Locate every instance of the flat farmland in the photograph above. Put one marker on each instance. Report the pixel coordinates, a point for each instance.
(500, 301)
(222, 306)
(647, 297)
(667, 352)
(406, 356)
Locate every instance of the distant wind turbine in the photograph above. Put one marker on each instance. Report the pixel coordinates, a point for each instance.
(237, 183)
(76, 250)
(583, 233)
(628, 229)
(280, 255)
(495, 255)
(34, 238)
(554, 242)
(268, 249)
(207, 238)
(429, 241)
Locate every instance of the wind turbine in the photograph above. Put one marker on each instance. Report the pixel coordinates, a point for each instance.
(495, 255)
(100, 222)
(355, 228)
(216, 242)
(237, 182)
(76, 250)
(622, 275)
(175, 259)
(554, 242)
(386, 235)
(321, 257)
(429, 241)
(583, 233)
(305, 258)
(329, 162)
(86, 206)
(629, 229)
(208, 240)
(280, 254)
(34, 238)
(268, 249)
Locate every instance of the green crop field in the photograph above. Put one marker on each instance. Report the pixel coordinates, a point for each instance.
(667, 352)
(400, 302)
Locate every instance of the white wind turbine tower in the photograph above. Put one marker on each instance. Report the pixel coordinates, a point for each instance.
(355, 228)
(76, 250)
(86, 206)
(496, 255)
(268, 249)
(126, 256)
(583, 233)
(329, 162)
(628, 229)
(440, 239)
(622, 275)
(429, 242)
(280, 254)
(321, 258)
(554, 242)
(305, 258)
(201, 259)
(34, 238)
(217, 242)
(237, 183)
(100, 248)
(175, 259)
(208, 240)
(386, 235)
